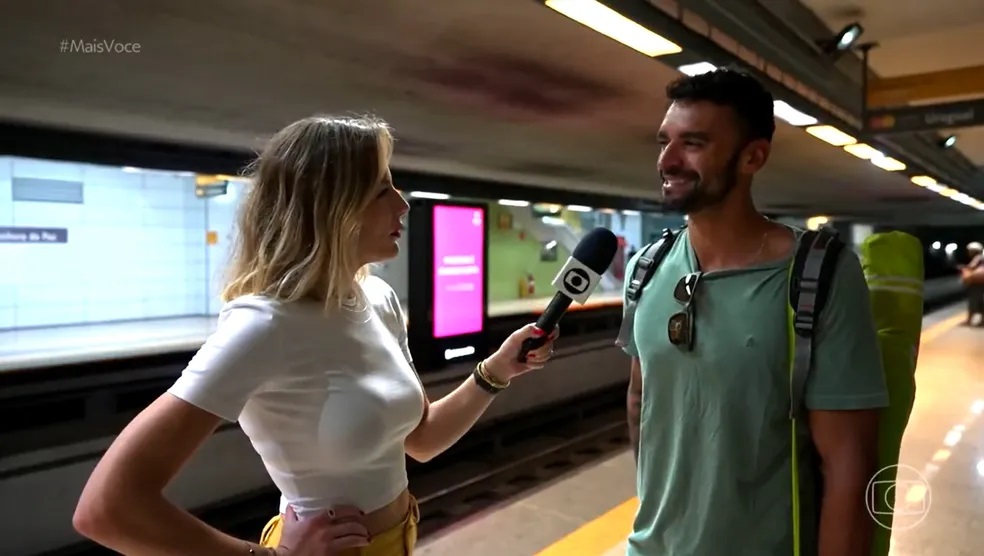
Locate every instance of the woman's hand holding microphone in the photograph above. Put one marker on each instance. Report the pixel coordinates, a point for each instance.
(505, 364)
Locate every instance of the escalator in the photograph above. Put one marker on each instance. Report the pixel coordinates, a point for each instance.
(562, 234)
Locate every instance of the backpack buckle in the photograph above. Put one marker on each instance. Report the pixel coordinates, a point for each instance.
(634, 290)
(803, 323)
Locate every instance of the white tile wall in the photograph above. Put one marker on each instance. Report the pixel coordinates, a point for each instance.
(136, 248)
(221, 219)
(8, 272)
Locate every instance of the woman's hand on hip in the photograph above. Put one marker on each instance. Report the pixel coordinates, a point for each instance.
(329, 532)
(504, 364)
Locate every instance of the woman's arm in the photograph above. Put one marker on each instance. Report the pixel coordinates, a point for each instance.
(446, 420)
(123, 507)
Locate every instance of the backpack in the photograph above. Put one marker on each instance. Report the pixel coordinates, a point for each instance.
(810, 276)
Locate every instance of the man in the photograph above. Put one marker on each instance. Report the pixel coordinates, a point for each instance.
(709, 397)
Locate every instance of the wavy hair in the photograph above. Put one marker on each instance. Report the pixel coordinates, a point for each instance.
(299, 223)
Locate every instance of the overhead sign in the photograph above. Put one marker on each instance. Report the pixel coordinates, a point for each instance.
(966, 113)
(14, 234)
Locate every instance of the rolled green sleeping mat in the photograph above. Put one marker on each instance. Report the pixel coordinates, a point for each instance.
(893, 268)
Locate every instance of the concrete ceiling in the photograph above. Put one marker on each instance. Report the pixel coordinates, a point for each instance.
(917, 38)
(500, 89)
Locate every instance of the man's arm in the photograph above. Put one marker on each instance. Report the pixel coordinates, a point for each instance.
(627, 343)
(845, 390)
(847, 442)
(634, 405)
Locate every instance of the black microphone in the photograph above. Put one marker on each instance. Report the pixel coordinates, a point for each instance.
(578, 278)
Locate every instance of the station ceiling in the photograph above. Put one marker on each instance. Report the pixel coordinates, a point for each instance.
(926, 53)
(497, 89)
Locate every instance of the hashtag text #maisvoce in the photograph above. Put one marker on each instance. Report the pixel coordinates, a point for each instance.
(102, 47)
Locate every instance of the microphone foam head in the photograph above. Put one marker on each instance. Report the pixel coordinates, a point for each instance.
(597, 249)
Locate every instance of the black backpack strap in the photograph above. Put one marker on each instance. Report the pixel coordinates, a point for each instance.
(809, 287)
(648, 261)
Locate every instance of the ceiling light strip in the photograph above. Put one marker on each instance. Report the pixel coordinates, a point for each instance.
(614, 25)
(888, 164)
(931, 184)
(864, 151)
(830, 134)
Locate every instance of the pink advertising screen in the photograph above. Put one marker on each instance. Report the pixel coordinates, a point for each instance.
(459, 270)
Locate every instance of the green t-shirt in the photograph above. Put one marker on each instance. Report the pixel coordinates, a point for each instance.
(714, 473)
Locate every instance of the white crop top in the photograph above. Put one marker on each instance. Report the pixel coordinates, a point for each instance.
(326, 400)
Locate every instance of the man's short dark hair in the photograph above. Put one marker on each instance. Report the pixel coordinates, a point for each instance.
(746, 96)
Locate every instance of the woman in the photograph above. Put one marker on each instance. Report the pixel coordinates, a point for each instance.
(310, 356)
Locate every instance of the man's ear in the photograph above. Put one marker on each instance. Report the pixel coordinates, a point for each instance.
(755, 155)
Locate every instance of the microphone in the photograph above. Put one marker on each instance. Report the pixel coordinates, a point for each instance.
(576, 280)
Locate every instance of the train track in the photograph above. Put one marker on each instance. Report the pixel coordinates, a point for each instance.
(474, 484)
(491, 464)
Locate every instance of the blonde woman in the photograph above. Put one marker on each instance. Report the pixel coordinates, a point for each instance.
(310, 356)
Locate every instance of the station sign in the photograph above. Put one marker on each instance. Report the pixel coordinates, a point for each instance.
(925, 118)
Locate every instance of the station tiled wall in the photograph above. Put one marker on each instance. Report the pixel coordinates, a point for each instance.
(135, 246)
(140, 244)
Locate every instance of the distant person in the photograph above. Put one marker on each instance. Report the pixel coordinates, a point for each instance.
(975, 288)
(709, 393)
(311, 357)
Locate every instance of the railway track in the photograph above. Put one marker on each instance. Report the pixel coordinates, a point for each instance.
(489, 465)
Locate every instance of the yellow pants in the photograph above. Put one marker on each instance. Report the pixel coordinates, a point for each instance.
(397, 541)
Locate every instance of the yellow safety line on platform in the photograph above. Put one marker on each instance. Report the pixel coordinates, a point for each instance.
(599, 535)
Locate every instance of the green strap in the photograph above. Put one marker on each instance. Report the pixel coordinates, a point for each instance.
(791, 334)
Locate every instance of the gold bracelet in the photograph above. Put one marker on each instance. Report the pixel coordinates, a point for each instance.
(485, 382)
(494, 382)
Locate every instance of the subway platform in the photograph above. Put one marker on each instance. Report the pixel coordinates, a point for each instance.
(42, 347)
(589, 512)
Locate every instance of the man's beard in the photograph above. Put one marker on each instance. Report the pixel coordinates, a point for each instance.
(701, 197)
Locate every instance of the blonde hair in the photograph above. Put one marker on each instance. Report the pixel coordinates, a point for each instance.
(299, 223)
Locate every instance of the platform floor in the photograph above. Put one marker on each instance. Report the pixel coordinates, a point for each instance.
(33, 348)
(27, 349)
(44, 347)
(589, 512)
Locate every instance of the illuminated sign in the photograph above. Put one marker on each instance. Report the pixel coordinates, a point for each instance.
(967, 113)
(459, 270)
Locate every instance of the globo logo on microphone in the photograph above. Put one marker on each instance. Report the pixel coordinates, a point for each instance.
(576, 280)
